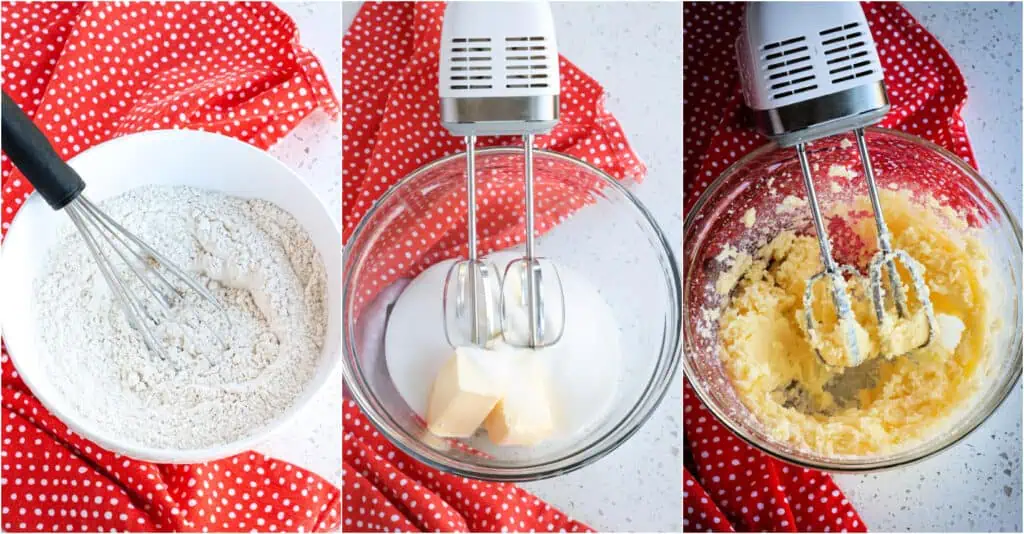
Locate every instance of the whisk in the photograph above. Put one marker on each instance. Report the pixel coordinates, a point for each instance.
(810, 70)
(498, 75)
(62, 189)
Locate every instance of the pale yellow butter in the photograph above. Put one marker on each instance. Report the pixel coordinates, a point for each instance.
(749, 217)
(523, 416)
(951, 330)
(773, 367)
(464, 392)
(904, 335)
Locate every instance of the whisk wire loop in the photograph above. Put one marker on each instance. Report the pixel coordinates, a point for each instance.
(921, 290)
(140, 267)
(157, 257)
(531, 294)
(133, 308)
(474, 286)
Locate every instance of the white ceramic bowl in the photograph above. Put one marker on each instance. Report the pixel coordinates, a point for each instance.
(166, 157)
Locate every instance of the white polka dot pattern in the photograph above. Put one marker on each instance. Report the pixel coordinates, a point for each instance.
(390, 128)
(926, 89)
(385, 490)
(87, 73)
(56, 481)
(733, 486)
(736, 487)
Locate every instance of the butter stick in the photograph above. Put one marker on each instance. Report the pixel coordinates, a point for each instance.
(462, 396)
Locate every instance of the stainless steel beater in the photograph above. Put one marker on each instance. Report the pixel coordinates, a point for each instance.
(822, 79)
(528, 286)
(498, 75)
(887, 256)
(472, 281)
(62, 188)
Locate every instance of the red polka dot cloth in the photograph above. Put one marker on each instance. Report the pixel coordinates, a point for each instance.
(385, 490)
(728, 485)
(390, 128)
(87, 73)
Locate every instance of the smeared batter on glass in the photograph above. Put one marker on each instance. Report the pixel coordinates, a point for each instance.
(886, 403)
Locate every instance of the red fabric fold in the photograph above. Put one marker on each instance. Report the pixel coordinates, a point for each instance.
(733, 486)
(385, 489)
(87, 73)
(391, 127)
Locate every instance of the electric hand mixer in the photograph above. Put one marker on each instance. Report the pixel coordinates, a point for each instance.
(499, 76)
(810, 70)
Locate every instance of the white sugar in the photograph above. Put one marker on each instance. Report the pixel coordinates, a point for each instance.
(585, 366)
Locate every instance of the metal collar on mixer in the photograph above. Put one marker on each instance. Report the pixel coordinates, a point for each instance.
(465, 116)
(824, 116)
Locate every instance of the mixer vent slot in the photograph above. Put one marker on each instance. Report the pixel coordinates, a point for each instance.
(787, 64)
(471, 59)
(847, 55)
(526, 62)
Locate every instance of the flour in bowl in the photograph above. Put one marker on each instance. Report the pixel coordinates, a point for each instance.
(226, 372)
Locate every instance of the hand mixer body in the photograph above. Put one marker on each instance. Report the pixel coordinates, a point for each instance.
(811, 70)
(498, 75)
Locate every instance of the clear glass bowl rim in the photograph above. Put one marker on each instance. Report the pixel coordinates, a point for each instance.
(653, 393)
(859, 464)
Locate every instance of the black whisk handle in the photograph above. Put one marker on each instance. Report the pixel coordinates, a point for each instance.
(33, 155)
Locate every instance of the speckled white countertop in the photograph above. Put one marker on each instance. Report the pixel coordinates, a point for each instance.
(634, 50)
(976, 485)
(313, 150)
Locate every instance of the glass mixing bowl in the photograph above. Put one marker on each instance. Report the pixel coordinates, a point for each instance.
(760, 180)
(609, 237)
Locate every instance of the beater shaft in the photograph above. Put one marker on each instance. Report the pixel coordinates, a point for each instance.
(812, 200)
(533, 300)
(471, 195)
(528, 172)
(840, 298)
(884, 237)
(471, 236)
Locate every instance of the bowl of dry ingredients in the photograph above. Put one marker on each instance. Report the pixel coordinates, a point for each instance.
(240, 223)
(750, 249)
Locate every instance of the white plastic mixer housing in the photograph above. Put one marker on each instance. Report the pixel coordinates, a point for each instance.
(810, 69)
(498, 72)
